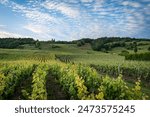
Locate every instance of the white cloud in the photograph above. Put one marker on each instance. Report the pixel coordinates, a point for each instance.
(85, 1)
(4, 34)
(39, 16)
(68, 11)
(100, 18)
(39, 29)
(33, 14)
(104, 13)
(98, 5)
(146, 9)
(132, 4)
(71, 1)
(3, 1)
(2, 26)
(63, 8)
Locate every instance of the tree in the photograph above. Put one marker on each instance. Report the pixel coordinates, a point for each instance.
(53, 40)
(135, 47)
(37, 44)
(12, 43)
(80, 43)
(148, 48)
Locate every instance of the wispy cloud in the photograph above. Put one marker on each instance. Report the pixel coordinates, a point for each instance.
(73, 19)
(131, 3)
(4, 34)
(68, 11)
(2, 26)
(63, 8)
(40, 29)
(98, 5)
(32, 13)
(3, 1)
(85, 1)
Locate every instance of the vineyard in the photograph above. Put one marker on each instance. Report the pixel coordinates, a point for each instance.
(67, 71)
(131, 69)
(34, 80)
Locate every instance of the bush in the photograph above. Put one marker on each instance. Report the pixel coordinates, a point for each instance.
(124, 52)
(148, 48)
(80, 43)
(140, 57)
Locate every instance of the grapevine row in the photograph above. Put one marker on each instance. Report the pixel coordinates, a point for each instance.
(10, 77)
(39, 83)
(78, 81)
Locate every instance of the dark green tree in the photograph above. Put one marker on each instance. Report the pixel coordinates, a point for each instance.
(135, 47)
(80, 43)
(12, 43)
(148, 48)
(37, 44)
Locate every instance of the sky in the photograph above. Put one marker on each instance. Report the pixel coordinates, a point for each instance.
(74, 19)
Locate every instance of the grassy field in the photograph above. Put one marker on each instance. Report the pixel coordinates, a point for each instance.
(110, 63)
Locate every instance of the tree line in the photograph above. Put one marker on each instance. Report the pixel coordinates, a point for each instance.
(107, 43)
(12, 43)
(100, 44)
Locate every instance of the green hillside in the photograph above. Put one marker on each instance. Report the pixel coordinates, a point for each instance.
(106, 61)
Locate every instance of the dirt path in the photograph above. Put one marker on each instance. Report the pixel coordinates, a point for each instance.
(54, 90)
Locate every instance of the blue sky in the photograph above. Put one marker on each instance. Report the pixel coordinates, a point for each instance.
(74, 19)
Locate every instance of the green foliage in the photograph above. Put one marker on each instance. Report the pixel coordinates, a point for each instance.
(39, 83)
(25, 94)
(131, 71)
(10, 76)
(66, 76)
(2, 86)
(74, 80)
(97, 45)
(80, 43)
(135, 47)
(148, 48)
(137, 92)
(114, 89)
(105, 44)
(117, 89)
(78, 81)
(124, 52)
(38, 44)
(81, 88)
(64, 58)
(90, 76)
(12, 43)
(140, 56)
(55, 46)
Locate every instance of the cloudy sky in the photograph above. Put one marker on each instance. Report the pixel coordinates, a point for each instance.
(74, 19)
